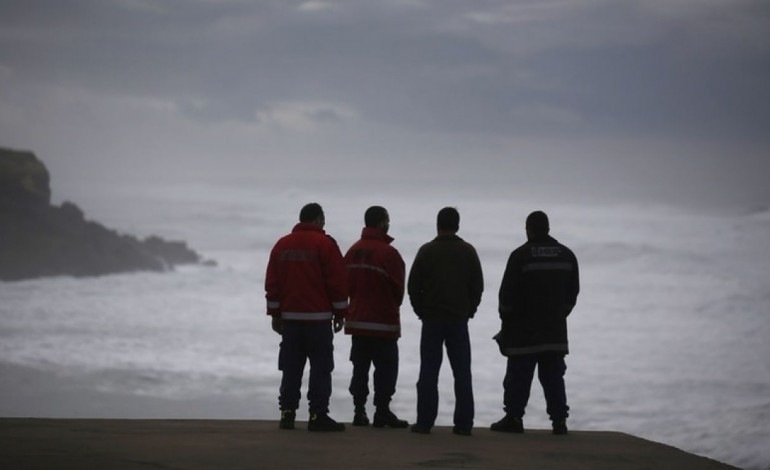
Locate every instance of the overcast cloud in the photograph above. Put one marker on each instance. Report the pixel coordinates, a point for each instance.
(673, 93)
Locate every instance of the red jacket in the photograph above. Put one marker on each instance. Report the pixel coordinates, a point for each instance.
(376, 282)
(306, 278)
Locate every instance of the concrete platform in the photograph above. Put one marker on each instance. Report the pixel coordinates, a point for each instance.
(233, 444)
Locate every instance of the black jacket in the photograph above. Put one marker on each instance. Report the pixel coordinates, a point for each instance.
(446, 281)
(538, 291)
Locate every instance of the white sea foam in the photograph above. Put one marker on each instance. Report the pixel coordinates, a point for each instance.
(669, 338)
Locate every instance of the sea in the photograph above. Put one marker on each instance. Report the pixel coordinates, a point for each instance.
(669, 340)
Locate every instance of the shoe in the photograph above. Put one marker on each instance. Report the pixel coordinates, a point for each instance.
(323, 423)
(360, 419)
(386, 418)
(419, 429)
(508, 424)
(287, 419)
(560, 427)
(462, 431)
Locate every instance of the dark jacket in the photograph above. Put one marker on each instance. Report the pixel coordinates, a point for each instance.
(538, 291)
(446, 281)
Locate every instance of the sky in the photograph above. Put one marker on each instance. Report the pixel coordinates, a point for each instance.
(593, 99)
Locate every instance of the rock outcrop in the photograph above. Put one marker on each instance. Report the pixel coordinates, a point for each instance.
(39, 239)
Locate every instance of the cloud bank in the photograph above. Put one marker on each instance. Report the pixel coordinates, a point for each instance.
(275, 88)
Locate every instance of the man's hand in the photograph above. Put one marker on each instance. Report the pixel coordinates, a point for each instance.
(277, 326)
(339, 322)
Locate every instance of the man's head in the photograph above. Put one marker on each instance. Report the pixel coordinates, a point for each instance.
(312, 213)
(377, 217)
(537, 225)
(448, 220)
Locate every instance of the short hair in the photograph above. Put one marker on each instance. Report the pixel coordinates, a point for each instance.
(310, 212)
(375, 215)
(537, 223)
(448, 219)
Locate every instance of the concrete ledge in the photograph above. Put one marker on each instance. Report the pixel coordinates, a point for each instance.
(191, 444)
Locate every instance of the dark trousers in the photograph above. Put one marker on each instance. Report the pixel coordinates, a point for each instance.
(518, 382)
(300, 342)
(453, 334)
(366, 351)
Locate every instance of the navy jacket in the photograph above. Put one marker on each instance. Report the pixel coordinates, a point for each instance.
(538, 291)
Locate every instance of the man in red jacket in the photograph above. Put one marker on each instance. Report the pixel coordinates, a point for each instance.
(307, 293)
(376, 274)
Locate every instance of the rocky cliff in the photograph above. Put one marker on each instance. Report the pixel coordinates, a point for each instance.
(39, 239)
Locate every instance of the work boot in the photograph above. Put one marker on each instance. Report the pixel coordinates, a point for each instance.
(287, 419)
(416, 428)
(462, 431)
(323, 423)
(559, 427)
(386, 418)
(360, 418)
(508, 424)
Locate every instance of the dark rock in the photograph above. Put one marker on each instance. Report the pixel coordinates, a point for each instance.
(174, 252)
(38, 239)
(23, 178)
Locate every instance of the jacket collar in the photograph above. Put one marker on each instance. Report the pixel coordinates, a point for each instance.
(448, 236)
(372, 233)
(542, 239)
(307, 227)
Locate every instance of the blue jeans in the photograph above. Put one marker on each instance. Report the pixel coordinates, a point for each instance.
(366, 351)
(435, 334)
(300, 342)
(518, 382)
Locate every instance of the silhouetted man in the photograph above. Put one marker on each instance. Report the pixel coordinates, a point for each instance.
(445, 287)
(539, 289)
(376, 283)
(306, 291)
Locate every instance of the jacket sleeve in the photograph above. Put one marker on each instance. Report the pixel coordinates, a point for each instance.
(415, 282)
(574, 287)
(477, 282)
(508, 288)
(396, 269)
(350, 273)
(336, 277)
(273, 284)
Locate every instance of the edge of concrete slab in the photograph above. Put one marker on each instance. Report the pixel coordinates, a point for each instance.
(166, 443)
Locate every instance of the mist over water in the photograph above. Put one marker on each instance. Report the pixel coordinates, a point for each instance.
(668, 340)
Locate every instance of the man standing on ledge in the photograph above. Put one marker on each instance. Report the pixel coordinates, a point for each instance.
(306, 292)
(539, 289)
(445, 287)
(376, 281)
